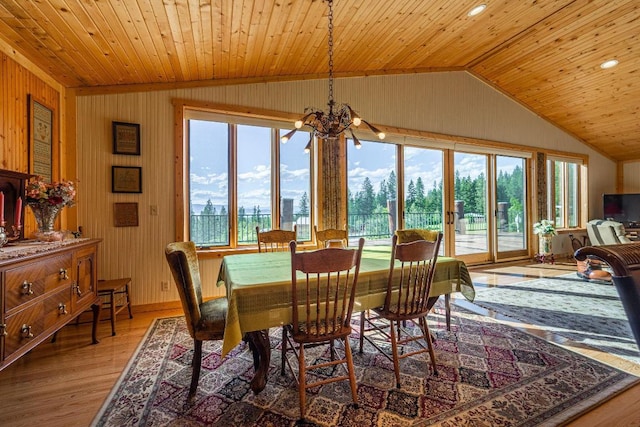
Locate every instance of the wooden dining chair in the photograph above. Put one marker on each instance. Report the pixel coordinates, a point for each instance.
(330, 234)
(411, 235)
(406, 300)
(323, 285)
(205, 320)
(275, 240)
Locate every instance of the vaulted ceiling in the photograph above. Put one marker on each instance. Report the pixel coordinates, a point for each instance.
(546, 54)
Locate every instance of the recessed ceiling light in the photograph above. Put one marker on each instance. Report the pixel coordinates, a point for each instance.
(477, 10)
(609, 64)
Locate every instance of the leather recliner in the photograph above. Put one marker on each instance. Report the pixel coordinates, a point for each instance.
(601, 232)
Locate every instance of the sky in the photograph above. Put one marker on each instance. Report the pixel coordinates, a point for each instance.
(375, 160)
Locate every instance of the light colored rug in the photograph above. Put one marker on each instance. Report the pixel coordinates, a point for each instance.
(489, 374)
(586, 312)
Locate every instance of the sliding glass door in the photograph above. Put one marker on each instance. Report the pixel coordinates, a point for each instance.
(423, 189)
(510, 207)
(468, 222)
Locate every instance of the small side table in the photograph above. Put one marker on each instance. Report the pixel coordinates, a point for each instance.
(112, 289)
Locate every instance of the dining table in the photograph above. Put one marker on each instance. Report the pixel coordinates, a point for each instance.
(258, 289)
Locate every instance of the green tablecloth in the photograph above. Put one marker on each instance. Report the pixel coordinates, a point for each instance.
(259, 288)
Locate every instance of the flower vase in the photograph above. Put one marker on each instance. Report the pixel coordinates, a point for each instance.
(544, 247)
(46, 215)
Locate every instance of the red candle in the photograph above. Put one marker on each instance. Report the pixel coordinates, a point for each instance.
(1, 207)
(18, 215)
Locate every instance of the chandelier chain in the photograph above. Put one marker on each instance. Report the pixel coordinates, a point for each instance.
(331, 101)
(332, 124)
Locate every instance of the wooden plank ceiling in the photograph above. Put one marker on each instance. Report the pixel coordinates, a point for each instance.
(544, 53)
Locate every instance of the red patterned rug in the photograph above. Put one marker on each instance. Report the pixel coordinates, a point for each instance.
(490, 374)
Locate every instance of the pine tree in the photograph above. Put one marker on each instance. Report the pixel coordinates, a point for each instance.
(208, 208)
(420, 201)
(303, 207)
(411, 196)
(367, 198)
(383, 194)
(392, 186)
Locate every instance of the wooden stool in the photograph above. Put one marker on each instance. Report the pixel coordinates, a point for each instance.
(111, 288)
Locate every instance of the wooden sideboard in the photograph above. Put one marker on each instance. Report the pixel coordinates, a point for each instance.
(44, 287)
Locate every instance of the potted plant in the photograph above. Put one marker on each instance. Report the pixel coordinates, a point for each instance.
(545, 229)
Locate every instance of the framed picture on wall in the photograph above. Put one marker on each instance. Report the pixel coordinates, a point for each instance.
(125, 214)
(40, 139)
(126, 138)
(126, 179)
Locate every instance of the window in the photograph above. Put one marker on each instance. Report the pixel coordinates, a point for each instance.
(234, 187)
(564, 188)
(372, 191)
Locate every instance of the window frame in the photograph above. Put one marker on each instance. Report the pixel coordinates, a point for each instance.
(188, 110)
(580, 196)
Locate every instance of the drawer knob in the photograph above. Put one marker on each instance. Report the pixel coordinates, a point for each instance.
(27, 288)
(3, 329)
(26, 331)
(63, 274)
(62, 308)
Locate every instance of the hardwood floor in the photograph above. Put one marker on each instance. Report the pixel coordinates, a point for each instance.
(65, 383)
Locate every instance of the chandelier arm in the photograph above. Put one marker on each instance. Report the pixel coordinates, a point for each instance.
(374, 129)
(356, 141)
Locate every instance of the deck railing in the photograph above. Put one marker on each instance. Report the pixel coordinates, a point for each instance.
(213, 230)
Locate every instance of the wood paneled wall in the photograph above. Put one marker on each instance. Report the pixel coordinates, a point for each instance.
(449, 103)
(16, 84)
(453, 103)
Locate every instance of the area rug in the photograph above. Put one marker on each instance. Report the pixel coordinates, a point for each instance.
(585, 312)
(489, 374)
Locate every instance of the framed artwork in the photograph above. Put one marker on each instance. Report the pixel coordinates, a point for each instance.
(40, 139)
(125, 214)
(126, 179)
(126, 138)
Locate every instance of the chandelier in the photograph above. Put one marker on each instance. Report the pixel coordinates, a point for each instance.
(338, 119)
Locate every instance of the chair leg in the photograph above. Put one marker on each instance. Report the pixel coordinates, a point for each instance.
(394, 349)
(361, 330)
(128, 301)
(284, 350)
(196, 363)
(447, 310)
(352, 373)
(112, 307)
(302, 382)
(427, 336)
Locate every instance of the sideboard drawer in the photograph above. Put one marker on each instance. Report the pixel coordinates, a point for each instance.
(23, 328)
(57, 307)
(28, 282)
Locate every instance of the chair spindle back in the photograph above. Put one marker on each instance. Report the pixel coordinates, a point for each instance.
(408, 288)
(325, 291)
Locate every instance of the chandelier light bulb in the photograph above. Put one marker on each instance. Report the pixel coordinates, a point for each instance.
(357, 121)
(381, 135)
(298, 124)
